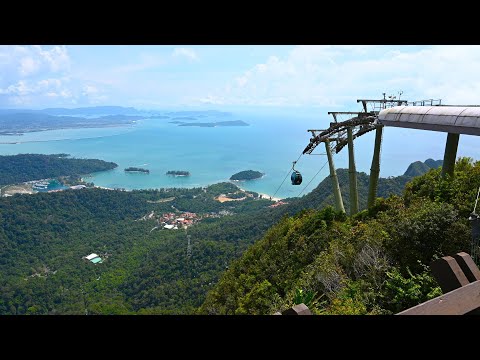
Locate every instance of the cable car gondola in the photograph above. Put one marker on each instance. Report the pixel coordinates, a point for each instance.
(296, 177)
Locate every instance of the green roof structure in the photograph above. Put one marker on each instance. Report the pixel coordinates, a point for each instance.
(96, 260)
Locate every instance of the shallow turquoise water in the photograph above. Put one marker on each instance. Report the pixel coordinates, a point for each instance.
(212, 155)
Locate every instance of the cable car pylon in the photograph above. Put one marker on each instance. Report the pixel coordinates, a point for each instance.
(333, 176)
(344, 133)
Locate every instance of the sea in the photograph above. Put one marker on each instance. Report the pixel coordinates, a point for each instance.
(269, 144)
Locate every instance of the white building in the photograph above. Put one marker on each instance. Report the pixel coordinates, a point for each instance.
(91, 256)
(94, 258)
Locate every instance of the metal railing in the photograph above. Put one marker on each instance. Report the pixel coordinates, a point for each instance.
(428, 102)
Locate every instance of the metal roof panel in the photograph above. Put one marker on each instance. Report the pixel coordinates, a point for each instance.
(454, 119)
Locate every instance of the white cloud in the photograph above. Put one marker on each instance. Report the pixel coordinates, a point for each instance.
(20, 88)
(185, 52)
(33, 72)
(338, 75)
(27, 92)
(57, 58)
(25, 61)
(28, 66)
(89, 90)
(93, 94)
(327, 76)
(145, 62)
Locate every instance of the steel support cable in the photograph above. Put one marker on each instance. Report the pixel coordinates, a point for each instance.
(318, 172)
(288, 173)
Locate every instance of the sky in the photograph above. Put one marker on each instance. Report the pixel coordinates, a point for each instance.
(236, 76)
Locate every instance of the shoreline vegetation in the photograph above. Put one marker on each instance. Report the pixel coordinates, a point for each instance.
(178, 173)
(136, 169)
(16, 169)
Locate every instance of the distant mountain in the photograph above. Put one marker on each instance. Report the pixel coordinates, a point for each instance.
(95, 110)
(434, 164)
(88, 111)
(418, 168)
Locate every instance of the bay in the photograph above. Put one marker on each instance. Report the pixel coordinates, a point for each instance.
(212, 154)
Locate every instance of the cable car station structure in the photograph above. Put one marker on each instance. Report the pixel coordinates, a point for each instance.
(425, 115)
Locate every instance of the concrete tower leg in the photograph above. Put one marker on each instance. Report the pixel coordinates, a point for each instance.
(352, 171)
(333, 175)
(450, 154)
(375, 168)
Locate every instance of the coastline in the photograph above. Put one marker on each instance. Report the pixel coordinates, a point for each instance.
(102, 187)
(276, 199)
(265, 196)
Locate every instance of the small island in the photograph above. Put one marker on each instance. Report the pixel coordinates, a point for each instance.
(247, 175)
(178, 173)
(135, 169)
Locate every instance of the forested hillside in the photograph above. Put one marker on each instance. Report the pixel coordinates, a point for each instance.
(44, 237)
(375, 262)
(26, 167)
(146, 269)
(322, 195)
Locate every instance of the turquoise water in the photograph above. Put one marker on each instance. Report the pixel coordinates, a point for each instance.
(53, 185)
(212, 155)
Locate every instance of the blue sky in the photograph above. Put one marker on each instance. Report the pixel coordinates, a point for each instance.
(214, 76)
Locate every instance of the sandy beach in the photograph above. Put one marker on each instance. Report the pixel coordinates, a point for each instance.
(268, 197)
(223, 198)
(264, 196)
(102, 187)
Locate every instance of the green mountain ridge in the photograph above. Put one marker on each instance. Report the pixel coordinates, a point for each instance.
(322, 195)
(147, 269)
(418, 168)
(372, 263)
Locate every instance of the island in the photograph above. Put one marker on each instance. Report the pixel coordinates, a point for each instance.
(247, 175)
(178, 173)
(135, 169)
